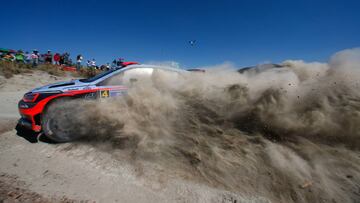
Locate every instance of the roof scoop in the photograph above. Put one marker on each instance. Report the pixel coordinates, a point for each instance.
(63, 85)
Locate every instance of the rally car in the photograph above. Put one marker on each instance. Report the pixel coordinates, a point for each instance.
(35, 106)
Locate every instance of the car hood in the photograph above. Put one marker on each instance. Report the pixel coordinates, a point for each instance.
(60, 86)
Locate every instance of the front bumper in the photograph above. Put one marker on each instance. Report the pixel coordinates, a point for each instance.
(29, 116)
(25, 123)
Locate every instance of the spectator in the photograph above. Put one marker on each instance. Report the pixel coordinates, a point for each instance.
(88, 64)
(66, 59)
(79, 59)
(8, 57)
(69, 62)
(35, 58)
(57, 59)
(105, 66)
(41, 58)
(93, 63)
(27, 57)
(62, 60)
(48, 57)
(113, 64)
(19, 56)
(120, 62)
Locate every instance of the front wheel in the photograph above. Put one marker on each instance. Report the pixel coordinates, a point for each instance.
(57, 121)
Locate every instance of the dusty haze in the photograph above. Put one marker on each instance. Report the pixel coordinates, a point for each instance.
(289, 134)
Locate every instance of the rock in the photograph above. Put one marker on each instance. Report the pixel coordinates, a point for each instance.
(306, 184)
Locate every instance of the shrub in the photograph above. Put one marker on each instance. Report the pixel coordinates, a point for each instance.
(87, 72)
(8, 69)
(51, 69)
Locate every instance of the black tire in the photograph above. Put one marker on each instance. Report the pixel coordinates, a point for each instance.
(56, 121)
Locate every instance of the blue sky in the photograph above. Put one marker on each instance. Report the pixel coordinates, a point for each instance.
(245, 32)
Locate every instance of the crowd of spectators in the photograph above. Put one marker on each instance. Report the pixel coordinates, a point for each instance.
(35, 58)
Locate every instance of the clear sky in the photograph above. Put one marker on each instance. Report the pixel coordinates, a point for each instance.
(245, 32)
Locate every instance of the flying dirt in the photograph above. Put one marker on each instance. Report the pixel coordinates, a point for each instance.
(285, 134)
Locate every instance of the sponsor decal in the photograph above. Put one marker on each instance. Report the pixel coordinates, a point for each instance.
(91, 95)
(116, 93)
(104, 93)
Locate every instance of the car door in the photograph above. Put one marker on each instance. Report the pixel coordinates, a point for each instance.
(118, 84)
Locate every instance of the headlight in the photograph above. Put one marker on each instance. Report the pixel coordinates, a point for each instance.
(23, 106)
(35, 97)
(30, 97)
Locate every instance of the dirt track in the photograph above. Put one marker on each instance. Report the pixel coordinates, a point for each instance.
(42, 172)
(282, 135)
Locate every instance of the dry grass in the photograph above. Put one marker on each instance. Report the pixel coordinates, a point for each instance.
(51, 69)
(86, 72)
(8, 69)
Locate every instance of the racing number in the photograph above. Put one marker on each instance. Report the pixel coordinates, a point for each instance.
(104, 93)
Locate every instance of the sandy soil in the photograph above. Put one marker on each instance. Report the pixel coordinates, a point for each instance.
(289, 135)
(43, 172)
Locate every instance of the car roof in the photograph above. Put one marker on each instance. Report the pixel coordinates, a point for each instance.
(152, 66)
(137, 66)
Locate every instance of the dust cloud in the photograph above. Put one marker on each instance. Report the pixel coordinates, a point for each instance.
(289, 133)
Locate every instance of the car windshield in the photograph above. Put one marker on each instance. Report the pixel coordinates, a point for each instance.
(127, 77)
(97, 76)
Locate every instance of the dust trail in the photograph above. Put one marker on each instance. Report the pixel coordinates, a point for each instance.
(290, 134)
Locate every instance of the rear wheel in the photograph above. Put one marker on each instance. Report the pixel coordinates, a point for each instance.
(56, 121)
